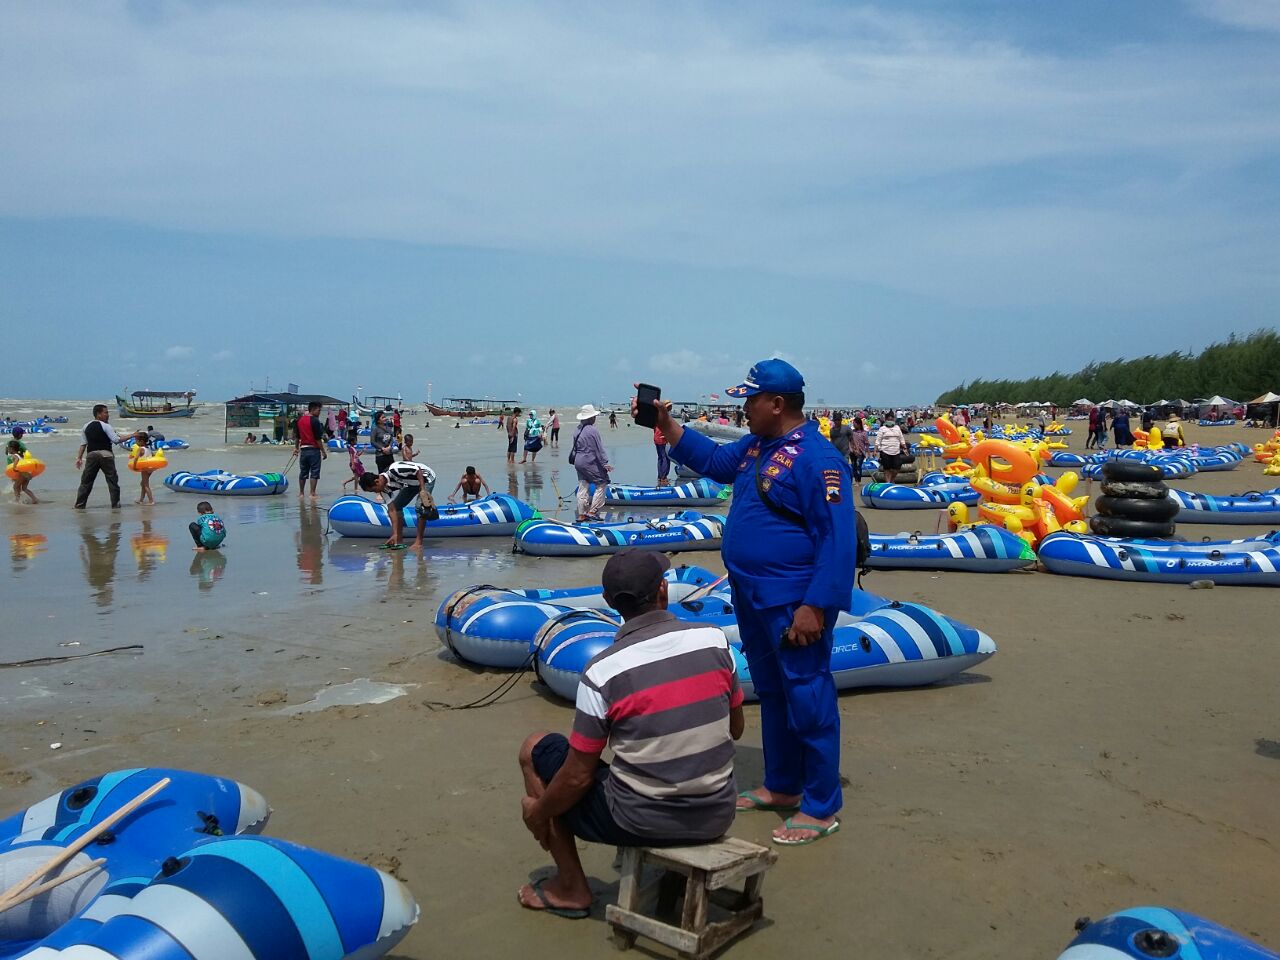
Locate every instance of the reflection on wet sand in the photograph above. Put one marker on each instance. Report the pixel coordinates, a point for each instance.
(98, 555)
(310, 543)
(150, 549)
(207, 567)
(25, 547)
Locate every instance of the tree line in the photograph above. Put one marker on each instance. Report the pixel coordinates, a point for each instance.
(1239, 369)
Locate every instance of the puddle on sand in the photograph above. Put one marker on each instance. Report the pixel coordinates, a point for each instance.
(356, 693)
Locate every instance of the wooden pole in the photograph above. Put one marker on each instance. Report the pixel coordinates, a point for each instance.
(10, 895)
(45, 887)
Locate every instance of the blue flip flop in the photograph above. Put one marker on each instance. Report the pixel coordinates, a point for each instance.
(568, 913)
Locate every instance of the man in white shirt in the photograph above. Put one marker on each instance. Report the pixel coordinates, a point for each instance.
(97, 456)
(405, 480)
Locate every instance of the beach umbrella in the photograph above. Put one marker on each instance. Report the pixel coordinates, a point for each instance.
(1083, 402)
(1218, 401)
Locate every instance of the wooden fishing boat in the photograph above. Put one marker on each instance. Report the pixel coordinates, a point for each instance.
(158, 404)
(471, 407)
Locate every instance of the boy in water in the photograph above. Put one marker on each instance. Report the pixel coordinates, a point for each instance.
(470, 485)
(207, 530)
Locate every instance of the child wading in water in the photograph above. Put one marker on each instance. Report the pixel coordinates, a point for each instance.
(356, 465)
(470, 485)
(207, 530)
(407, 450)
(22, 483)
(141, 439)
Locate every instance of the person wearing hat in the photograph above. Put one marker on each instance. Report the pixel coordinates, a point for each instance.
(790, 547)
(1173, 435)
(588, 458)
(664, 696)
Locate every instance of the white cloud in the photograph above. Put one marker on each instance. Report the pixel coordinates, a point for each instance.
(868, 369)
(223, 355)
(179, 353)
(828, 140)
(516, 360)
(677, 361)
(1249, 14)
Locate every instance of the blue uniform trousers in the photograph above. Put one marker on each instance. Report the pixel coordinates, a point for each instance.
(799, 716)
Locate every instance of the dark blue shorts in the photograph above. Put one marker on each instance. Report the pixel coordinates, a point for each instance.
(309, 463)
(591, 819)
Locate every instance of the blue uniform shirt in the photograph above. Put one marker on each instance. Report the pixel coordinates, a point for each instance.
(777, 561)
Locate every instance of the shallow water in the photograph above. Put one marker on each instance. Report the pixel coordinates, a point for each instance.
(282, 587)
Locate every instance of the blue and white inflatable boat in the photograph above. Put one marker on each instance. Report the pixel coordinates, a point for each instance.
(1227, 562)
(686, 530)
(983, 548)
(497, 515)
(185, 880)
(697, 493)
(880, 643)
(1143, 933)
(1260, 507)
(927, 496)
(496, 627)
(219, 483)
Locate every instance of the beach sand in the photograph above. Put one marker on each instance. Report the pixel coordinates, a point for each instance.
(1122, 748)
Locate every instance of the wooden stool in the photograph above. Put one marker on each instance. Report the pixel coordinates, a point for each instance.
(707, 868)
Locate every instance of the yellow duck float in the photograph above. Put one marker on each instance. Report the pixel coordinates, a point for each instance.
(1004, 475)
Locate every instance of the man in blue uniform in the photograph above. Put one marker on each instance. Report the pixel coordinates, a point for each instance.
(790, 547)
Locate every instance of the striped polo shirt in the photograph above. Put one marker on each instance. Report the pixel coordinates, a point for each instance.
(659, 696)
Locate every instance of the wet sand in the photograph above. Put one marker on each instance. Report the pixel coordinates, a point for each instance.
(1123, 747)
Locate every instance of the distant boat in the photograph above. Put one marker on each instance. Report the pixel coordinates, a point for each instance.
(158, 404)
(368, 406)
(470, 407)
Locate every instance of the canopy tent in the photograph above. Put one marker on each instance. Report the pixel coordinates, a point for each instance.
(1180, 404)
(1108, 404)
(1267, 397)
(1083, 402)
(1219, 401)
(1127, 403)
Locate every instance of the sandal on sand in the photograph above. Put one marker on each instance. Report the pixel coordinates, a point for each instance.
(817, 831)
(568, 913)
(755, 803)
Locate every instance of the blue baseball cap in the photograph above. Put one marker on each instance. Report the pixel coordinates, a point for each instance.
(769, 376)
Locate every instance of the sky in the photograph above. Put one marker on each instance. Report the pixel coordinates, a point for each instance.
(557, 199)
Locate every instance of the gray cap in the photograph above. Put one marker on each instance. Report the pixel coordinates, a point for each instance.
(634, 573)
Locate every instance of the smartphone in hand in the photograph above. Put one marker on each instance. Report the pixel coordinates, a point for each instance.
(646, 412)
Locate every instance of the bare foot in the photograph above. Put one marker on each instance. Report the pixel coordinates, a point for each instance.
(198, 549)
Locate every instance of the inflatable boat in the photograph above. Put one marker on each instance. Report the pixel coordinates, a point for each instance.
(687, 530)
(983, 548)
(1260, 507)
(1226, 563)
(219, 483)
(1143, 933)
(495, 627)
(497, 515)
(183, 877)
(934, 496)
(880, 643)
(697, 493)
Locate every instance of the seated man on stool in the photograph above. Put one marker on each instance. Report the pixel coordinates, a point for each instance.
(664, 696)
